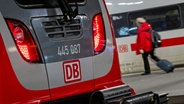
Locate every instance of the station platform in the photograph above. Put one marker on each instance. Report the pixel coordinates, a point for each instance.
(159, 82)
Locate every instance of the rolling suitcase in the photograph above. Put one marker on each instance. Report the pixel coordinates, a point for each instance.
(165, 65)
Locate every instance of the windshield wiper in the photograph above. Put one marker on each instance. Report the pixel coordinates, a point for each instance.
(67, 10)
(68, 13)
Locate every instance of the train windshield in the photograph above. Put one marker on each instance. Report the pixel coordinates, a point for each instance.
(46, 3)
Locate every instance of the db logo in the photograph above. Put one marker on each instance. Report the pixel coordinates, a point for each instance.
(72, 71)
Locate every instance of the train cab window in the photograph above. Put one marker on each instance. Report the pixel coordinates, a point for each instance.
(161, 19)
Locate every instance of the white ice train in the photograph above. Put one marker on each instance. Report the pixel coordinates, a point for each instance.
(165, 16)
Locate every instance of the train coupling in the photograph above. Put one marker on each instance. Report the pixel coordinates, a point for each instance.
(122, 95)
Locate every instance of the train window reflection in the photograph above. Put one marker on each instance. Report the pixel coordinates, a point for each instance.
(161, 19)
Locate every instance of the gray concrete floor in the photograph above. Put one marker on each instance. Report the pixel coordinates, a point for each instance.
(158, 82)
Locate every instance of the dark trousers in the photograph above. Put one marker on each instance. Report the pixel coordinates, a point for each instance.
(146, 62)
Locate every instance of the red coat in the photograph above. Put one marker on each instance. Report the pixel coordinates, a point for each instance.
(144, 38)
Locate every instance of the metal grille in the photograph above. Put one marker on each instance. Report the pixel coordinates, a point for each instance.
(60, 29)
